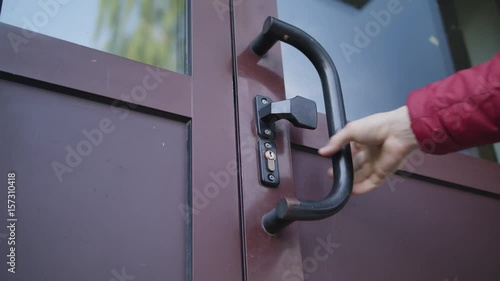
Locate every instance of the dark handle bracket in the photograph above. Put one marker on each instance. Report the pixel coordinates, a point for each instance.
(301, 112)
(265, 129)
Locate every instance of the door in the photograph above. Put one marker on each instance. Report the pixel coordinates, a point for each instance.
(118, 142)
(436, 219)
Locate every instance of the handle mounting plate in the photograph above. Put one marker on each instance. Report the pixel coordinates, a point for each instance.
(265, 130)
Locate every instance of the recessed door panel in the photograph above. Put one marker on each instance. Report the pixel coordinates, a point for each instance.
(405, 230)
(91, 182)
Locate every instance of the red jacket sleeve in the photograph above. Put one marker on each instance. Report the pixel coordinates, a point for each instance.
(458, 112)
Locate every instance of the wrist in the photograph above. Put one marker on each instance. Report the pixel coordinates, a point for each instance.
(402, 128)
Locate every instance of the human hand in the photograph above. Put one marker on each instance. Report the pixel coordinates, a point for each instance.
(379, 144)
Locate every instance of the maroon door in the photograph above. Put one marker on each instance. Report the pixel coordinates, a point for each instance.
(437, 219)
(118, 169)
(123, 170)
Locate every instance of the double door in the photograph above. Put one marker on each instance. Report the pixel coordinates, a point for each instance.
(138, 159)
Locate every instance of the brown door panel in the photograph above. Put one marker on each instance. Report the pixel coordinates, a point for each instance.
(91, 184)
(418, 231)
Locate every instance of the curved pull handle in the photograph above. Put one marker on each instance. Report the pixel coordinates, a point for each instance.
(289, 210)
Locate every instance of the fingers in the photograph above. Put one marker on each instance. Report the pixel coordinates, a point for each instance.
(358, 159)
(367, 185)
(364, 179)
(376, 150)
(370, 130)
(389, 159)
(360, 156)
(356, 147)
(362, 174)
(385, 165)
(337, 141)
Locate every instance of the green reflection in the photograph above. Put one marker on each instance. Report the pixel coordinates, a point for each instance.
(150, 31)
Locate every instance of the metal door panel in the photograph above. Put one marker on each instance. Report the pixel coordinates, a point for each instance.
(418, 231)
(90, 185)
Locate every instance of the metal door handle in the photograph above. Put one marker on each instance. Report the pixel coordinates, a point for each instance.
(288, 210)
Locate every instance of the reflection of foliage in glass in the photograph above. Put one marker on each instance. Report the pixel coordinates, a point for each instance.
(150, 31)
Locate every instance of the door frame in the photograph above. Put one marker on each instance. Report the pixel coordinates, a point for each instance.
(267, 257)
